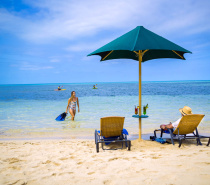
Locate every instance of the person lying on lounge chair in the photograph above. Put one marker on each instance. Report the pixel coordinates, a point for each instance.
(184, 111)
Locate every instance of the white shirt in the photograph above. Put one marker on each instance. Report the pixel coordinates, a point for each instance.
(175, 124)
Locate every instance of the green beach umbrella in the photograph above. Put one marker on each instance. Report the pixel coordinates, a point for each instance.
(140, 44)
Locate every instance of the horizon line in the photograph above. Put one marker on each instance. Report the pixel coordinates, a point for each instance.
(102, 82)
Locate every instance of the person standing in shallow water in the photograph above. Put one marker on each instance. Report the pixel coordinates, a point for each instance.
(73, 100)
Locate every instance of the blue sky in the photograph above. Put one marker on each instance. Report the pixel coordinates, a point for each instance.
(47, 41)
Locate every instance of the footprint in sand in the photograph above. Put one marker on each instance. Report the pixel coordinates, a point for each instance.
(65, 173)
(18, 182)
(112, 159)
(155, 157)
(35, 143)
(15, 168)
(70, 172)
(90, 173)
(35, 166)
(126, 158)
(56, 164)
(106, 182)
(72, 157)
(12, 160)
(46, 162)
(208, 163)
(182, 155)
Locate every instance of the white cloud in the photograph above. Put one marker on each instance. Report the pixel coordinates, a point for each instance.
(12, 22)
(79, 18)
(203, 45)
(30, 67)
(54, 60)
(68, 19)
(89, 46)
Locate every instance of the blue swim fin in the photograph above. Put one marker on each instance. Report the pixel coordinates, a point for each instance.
(61, 117)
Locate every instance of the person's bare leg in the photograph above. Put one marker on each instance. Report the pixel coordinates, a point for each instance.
(72, 114)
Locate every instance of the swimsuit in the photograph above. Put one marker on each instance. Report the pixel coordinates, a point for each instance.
(72, 105)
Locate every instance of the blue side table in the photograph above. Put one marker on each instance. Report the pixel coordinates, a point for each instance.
(142, 116)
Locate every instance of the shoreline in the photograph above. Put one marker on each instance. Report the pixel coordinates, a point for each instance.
(85, 134)
(56, 136)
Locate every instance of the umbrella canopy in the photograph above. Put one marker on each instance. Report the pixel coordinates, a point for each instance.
(140, 44)
(140, 39)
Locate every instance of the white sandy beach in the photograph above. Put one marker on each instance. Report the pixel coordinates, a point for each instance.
(75, 161)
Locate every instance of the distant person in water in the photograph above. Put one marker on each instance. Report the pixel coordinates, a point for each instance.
(59, 88)
(184, 111)
(73, 100)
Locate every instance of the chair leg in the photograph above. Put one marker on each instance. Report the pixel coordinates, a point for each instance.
(97, 147)
(171, 134)
(180, 142)
(96, 136)
(199, 141)
(126, 143)
(102, 146)
(129, 145)
(208, 142)
(155, 134)
(96, 141)
(161, 134)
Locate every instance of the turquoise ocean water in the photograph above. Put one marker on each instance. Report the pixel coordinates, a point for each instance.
(27, 110)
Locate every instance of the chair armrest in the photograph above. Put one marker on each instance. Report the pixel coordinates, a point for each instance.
(157, 130)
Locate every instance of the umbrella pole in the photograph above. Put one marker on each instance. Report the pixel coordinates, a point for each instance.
(140, 59)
